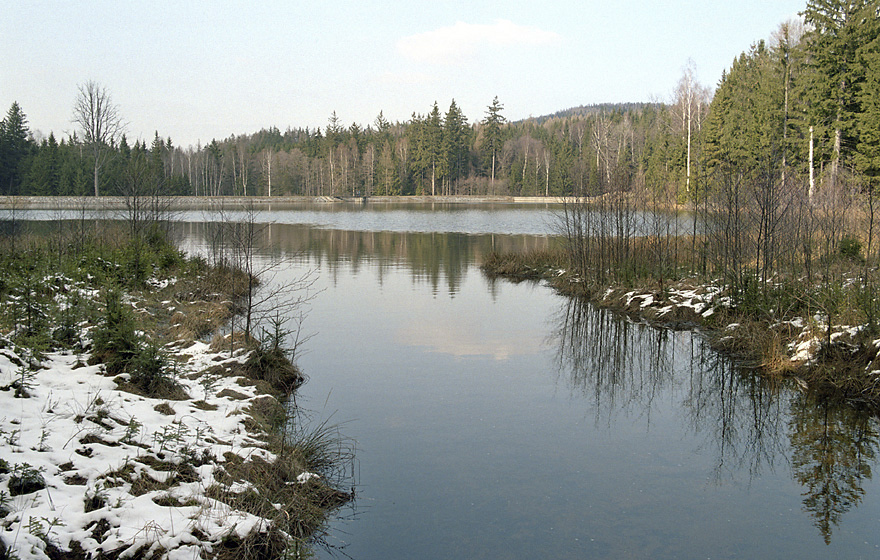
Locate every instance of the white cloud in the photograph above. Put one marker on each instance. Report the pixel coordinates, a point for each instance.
(449, 45)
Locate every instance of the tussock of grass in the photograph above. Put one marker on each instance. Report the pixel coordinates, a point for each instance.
(270, 544)
(533, 265)
(276, 494)
(274, 368)
(233, 342)
(198, 320)
(164, 408)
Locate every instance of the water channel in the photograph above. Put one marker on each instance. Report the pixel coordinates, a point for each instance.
(501, 420)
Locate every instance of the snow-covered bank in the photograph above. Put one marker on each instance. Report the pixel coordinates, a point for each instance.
(690, 305)
(122, 472)
(92, 466)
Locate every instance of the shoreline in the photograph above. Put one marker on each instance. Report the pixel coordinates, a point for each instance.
(259, 202)
(847, 369)
(96, 463)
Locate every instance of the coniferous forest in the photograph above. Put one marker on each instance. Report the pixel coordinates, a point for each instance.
(799, 111)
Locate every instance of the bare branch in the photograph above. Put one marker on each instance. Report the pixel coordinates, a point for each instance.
(99, 120)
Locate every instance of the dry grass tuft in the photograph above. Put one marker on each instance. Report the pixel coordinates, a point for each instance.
(198, 320)
(164, 408)
(233, 342)
(272, 368)
(533, 265)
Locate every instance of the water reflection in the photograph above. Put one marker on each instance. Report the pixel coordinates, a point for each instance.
(617, 364)
(747, 422)
(741, 414)
(833, 450)
(440, 259)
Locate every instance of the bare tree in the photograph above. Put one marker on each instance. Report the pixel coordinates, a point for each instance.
(99, 119)
(263, 299)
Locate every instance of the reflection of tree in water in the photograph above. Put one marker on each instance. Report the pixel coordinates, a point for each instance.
(441, 259)
(738, 410)
(617, 363)
(833, 448)
(625, 366)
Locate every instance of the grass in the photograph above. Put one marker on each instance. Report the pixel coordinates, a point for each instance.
(274, 493)
(534, 265)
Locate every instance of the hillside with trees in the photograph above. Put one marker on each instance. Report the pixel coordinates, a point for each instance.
(820, 74)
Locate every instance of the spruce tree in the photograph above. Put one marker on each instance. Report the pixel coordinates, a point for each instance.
(839, 29)
(15, 146)
(456, 145)
(492, 136)
(434, 153)
(868, 122)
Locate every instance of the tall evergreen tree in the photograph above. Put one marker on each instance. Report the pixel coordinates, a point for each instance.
(14, 148)
(492, 135)
(839, 29)
(868, 126)
(434, 153)
(456, 142)
(44, 174)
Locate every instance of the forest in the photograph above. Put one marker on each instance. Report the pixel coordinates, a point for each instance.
(797, 112)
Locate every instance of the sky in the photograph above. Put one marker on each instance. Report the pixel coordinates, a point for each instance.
(198, 70)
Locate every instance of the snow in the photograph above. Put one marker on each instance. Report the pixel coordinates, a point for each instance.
(706, 300)
(67, 404)
(306, 476)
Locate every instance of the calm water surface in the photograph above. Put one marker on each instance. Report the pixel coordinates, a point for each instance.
(500, 420)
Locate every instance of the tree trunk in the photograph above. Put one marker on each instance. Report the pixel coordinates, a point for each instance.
(812, 188)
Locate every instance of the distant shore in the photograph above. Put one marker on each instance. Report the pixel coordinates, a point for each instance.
(180, 202)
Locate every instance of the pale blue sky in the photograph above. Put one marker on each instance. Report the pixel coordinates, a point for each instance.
(202, 70)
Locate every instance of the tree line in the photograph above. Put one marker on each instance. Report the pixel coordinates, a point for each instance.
(435, 153)
(819, 73)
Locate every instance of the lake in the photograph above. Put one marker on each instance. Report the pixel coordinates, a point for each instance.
(501, 420)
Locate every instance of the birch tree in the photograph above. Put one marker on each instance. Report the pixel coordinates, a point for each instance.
(689, 101)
